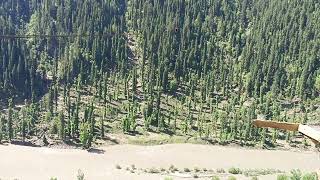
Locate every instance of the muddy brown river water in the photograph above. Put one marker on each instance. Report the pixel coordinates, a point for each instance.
(33, 163)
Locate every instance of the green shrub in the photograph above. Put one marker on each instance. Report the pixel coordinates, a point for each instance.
(205, 169)
(154, 171)
(54, 126)
(173, 86)
(282, 177)
(215, 178)
(221, 170)
(186, 170)
(254, 178)
(234, 171)
(296, 175)
(172, 168)
(80, 175)
(232, 178)
(258, 172)
(162, 169)
(85, 135)
(309, 176)
(118, 166)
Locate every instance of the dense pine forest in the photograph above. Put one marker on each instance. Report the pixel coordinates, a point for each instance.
(77, 71)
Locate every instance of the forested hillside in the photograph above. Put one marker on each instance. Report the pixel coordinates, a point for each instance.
(76, 70)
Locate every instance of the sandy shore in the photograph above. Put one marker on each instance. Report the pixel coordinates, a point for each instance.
(32, 163)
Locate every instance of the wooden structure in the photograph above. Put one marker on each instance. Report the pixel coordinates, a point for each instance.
(307, 131)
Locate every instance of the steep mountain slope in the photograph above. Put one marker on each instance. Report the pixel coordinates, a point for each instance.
(196, 68)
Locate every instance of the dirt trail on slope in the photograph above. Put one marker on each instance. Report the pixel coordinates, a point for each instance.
(42, 163)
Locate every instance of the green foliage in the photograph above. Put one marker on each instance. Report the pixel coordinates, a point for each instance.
(215, 178)
(317, 83)
(1, 128)
(102, 131)
(168, 178)
(80, 175)
(232, 178)
(147, 118)
(310, 176)
(23, 125)
(196, 169)
(195, 176)
(283, 177)
(129, 123)
(173, 169)
(10, 120)
(173, 86)
(153, 170)
(234, 170)
(86, 136)
(54, 126)
(61, 126)
(296, 174)
(126, 124)
(259, 172)
(220, 170)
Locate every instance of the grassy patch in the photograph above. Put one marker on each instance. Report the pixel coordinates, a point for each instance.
(232, 178)
(260, 172)
(168, 178)
(309, 176)
(153, 170)
(220, 170)
(283, 177)
(215, 178)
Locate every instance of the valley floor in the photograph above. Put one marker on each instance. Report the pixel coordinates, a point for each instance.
(26, 163)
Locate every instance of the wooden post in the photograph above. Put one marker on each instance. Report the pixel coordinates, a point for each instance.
(308, 131)
(276, 125)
